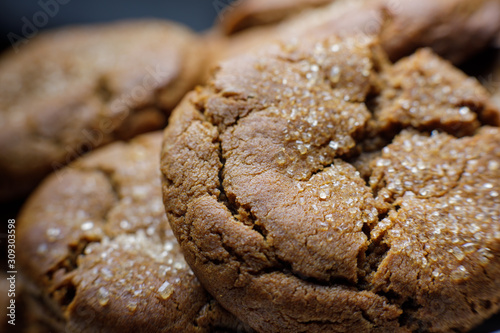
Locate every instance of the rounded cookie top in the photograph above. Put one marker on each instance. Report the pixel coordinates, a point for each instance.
(99, 255)
(245, 14)
(261, 190)
(455, 29)
(71, 90)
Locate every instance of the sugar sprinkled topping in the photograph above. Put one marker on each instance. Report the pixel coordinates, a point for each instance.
(87, 225)
(132, 306)
(53, 234)
(103, 296)
(166, 290)
(459, 210)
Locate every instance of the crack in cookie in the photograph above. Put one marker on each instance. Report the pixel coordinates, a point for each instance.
(263, 196)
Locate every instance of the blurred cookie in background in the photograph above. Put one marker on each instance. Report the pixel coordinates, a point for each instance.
(99, 255)
(71, 90)
(455, 29)
(244, 14)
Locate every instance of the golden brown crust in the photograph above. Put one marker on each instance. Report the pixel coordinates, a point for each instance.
(455, 29)
(281, 228)
(99, 254)
(71, 90)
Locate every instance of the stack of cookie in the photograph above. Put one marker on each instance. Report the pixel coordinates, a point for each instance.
(333, 173)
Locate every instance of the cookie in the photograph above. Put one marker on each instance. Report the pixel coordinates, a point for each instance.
(244, 14)
(74, 89)
(99, 255)
(261, 191)
(455, 29)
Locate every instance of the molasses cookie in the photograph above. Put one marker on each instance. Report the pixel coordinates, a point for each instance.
(74, 89)
(262, 193)
(98, 254)
(455, 29)
(244, 14)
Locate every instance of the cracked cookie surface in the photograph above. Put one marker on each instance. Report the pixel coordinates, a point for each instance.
(262, 190)
(99, 255)
(72, 90)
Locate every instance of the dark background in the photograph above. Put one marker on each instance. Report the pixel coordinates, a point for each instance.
(19, 17)
(46, 14)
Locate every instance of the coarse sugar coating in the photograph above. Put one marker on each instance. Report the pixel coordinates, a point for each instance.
(71, 90)
(99, 255)
(262, 190)
(417, 94)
